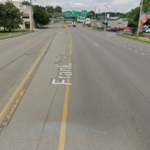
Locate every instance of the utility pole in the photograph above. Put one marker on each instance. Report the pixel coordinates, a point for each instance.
(31, 24)
(95, 10)
(139, 24)
(115, 14)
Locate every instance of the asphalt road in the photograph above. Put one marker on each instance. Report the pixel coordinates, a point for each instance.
(88, 90)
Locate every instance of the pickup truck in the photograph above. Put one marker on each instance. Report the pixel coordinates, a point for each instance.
(113, 29)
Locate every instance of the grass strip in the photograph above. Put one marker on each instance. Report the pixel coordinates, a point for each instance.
(99, 30)
(13, 34)
(133, 38)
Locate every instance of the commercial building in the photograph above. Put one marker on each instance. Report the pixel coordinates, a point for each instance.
(26, 15)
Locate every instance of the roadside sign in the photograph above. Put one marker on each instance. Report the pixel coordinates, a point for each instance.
(126, 28)
(71, 14)
(75, 14)
(67, 13)
(84, 13)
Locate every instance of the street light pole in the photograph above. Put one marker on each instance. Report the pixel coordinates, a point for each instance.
(139, 19)
(115, 14)
(105, 10)
(31, 15)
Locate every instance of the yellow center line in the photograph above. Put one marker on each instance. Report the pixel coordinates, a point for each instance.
(65, 109)
(24, 80)
(12, 110)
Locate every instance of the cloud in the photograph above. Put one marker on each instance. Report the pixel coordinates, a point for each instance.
(78, 5)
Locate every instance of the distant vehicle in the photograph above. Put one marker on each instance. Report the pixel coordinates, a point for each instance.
(113, 29)
(144, 29)
(107, 28)
(74, 25)
(148, 30)
(146, 26)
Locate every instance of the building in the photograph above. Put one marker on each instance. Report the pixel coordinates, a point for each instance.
(26, 15)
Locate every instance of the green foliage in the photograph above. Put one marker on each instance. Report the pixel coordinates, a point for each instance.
(58, 9)
(133, 15)
(91, 14)
(49, 9)
(10, 16)
(41, 16)
(25, 3)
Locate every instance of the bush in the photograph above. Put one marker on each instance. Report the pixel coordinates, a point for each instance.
(88, 25)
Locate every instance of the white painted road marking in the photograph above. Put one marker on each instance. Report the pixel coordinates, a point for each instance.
(95, 44)
(143, 53)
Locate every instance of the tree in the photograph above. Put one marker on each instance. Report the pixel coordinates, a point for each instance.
(91, 13)
(133, 15)
(41, 16)
(58, 9)
(49, 9)
(11, 16)
(25, 3)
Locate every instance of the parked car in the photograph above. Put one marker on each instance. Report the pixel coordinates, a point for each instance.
(115, 29)
(144, 29)
(74, 25)
(148, 30)
(108, 27)
(146, 26)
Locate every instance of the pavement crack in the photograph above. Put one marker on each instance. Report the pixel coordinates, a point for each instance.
(46, 118)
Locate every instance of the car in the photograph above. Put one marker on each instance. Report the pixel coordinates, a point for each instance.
(108, 27)
(144, 29)
(115, 29)
(146, 26)
(69, 25)
(74, 25)
(148, 30)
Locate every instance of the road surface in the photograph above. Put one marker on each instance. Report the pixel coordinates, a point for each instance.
(74, 89)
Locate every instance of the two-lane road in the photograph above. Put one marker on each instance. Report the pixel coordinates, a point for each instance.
(90, 92)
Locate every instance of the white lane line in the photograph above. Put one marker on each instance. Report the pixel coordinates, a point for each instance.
(95, 44)
(143, 53)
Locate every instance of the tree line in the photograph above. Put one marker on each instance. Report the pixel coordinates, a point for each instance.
(11, 16)
(133, 15)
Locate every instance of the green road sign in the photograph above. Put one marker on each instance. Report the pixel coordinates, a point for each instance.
(71, 14)
(84, 13)
(75, 14)
(68, 13)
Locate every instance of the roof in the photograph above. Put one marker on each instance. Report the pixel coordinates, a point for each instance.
(148, 13)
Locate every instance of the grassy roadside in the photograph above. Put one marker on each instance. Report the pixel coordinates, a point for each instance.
(99, 30)
(14, 33)
(134, 38)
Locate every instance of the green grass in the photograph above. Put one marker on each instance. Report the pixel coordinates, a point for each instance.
(133, 38)
(13, 33)
(100, 30)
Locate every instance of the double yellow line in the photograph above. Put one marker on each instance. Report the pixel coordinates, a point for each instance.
(10, 113)
(65, 109)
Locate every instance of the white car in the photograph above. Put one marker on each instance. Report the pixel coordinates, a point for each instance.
(148, 30)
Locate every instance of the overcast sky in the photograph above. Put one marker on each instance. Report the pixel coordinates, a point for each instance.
(78, 5)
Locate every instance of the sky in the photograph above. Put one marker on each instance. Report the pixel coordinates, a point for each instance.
(79, 5)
